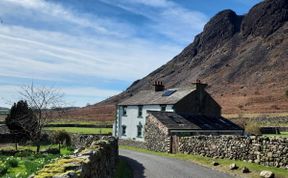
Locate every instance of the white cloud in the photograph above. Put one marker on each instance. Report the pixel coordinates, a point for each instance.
(57, 13)
(167, 17)
(39, 56)
(64, 56)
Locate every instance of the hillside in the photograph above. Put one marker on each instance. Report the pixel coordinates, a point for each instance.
(244, 59)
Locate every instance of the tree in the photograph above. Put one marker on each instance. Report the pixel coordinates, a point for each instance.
(42, 101)
(22, 122)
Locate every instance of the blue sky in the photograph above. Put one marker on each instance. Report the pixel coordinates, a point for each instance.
(93, 49)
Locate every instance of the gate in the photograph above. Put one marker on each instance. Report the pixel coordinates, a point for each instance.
(174, 144)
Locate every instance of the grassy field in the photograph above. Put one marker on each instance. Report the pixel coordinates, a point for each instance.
(282, 134)
(82, 130)
(255, 115)
(224, 163)
(82, 122)
(25, 163)
(63, 151)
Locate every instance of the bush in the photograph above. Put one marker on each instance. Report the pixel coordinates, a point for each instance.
(252, 128)
(61, 137)
(12, 162)
(24, 153)
(3, 169)
(53, 151)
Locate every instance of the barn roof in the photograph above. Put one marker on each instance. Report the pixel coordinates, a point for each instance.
(150, 97)
(186, 121)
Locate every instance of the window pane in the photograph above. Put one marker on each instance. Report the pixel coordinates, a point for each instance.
(163, 107)
(140, 111)
(124, 110)
(123, 130)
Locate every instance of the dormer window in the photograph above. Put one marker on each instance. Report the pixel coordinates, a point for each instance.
(140, 111)
(163, 108)
(124, 110)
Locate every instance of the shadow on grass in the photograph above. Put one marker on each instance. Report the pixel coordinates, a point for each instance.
(138, 168)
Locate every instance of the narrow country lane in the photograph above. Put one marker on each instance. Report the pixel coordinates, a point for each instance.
(152, 166)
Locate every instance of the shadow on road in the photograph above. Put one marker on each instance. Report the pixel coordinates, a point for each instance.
(138, 168)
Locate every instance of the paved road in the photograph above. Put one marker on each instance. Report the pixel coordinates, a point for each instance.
(152, 166)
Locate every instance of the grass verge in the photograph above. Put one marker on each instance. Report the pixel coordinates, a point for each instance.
(224, 163)
(82, 130)
(123, 170)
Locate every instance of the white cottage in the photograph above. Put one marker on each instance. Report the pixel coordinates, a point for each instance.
(132, 112)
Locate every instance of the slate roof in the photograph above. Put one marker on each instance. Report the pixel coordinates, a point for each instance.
(150, 97)
(186, 121)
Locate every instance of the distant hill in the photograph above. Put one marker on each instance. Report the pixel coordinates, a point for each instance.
(244, 59)
(3, 109)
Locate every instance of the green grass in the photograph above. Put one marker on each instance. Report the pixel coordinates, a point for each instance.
(63, 151)
(282, 134)
(82, 130)
(224, 163)
(29, 162)
(254, 115)
(123, 170)
(26, 165)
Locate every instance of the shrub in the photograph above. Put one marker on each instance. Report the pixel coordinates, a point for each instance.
(3, 169)
(24, 153)
(61, 137)
(252, 128)
(12, 162)
(52, 151)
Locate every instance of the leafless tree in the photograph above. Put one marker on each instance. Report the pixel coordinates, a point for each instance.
(45, 102)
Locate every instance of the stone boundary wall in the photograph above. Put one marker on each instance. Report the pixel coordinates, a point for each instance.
(262, 150)
(97, 160)
(80, 125)
(273, 130)
(132, 143)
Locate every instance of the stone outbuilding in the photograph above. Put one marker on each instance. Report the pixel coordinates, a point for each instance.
(162, 129)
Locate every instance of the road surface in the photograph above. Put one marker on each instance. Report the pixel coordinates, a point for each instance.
(152, 166)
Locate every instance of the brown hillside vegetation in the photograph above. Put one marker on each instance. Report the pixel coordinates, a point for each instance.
(244, 59)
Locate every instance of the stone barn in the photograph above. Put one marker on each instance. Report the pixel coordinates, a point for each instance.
(162, 129)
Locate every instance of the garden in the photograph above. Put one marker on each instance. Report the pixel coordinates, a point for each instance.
(24, 161)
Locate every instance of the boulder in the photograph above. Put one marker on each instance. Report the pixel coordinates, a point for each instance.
(233, 166)
(214, 163)
(267, 174)
(245, 170)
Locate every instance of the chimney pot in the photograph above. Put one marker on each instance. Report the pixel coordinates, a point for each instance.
(158, 85)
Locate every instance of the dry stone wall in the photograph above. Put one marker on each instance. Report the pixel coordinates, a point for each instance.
(261, 150)
(156, 135)
(97, 160)
(133, 143)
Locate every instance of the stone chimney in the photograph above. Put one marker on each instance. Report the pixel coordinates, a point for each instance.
(158, 85)
(200, 86)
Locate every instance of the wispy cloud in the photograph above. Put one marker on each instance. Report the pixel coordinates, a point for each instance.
(49, 42)
(58, 15)
(166, 17)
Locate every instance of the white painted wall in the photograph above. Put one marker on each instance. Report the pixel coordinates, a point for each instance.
(131, 120)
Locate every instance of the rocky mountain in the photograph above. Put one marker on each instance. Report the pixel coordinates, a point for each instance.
(244, 60)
